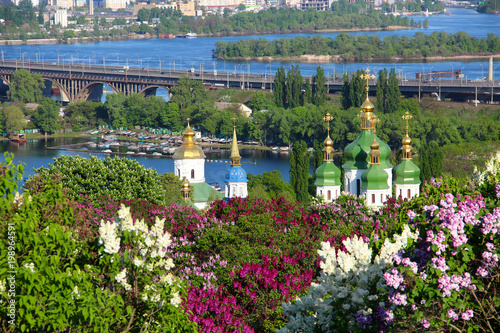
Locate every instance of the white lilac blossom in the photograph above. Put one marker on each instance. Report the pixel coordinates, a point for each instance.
(491, 169)
(146, 251)
(343, 288)
(30, 266)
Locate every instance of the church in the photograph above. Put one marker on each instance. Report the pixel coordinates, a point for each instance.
(189, 166)
(367, 170)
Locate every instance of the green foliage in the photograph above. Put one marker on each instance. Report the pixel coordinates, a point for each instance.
(271, 182)
(47, 116)
(430, 160)
(84, 114)
(489, 6)
(319, 87)
(13, 118)
(172, 186)
(134, 110)
(299, 171)
(188, 92)
(362, 48)
(26, 87)
(119, 178)
(279, 87)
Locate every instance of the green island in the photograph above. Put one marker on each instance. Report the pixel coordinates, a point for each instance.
(346, 47)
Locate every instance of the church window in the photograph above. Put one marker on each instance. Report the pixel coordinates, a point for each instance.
(381, 198)
(373, 198)
(358, 186)
(192, 173)
(400, 192)
(409, 193)
(329, 195)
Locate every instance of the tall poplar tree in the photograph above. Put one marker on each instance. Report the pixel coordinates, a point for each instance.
(280, 87)
(307, 95)
(381, 90)
(298, 82)
(290, 78)
(393, 93)
(299, 171)
(346, 93)
(319, 87)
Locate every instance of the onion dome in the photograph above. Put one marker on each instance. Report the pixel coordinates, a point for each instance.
(328, 174)
(407, 172)
(357, 154)
(236, 174)
(186, 190)
(189, 149)
(375, 178)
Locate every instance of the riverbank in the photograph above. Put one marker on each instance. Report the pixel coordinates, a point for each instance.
(313, 58)
(55, 41)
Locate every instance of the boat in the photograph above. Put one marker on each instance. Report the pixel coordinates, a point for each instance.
(191, 35)
(109, 138)
(18, 138)
(107, 151)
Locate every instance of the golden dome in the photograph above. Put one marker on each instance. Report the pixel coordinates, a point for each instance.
(374, 145)
(406, 140)
(189, 149)
(367, 106)
(328, 142)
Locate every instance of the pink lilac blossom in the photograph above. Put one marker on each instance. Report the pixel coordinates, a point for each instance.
(398, 299)
(467, 315)
(447, 284)
(425, 323)
(440, 263)
(451, 314)
(438, 240)
(393, 279)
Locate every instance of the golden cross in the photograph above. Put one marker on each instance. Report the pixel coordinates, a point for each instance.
(234, 121)
(367, 77)
(374, 122)
(328, 118)
(406, 117)
(188, 119)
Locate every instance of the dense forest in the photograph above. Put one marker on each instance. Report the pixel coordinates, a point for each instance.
(346, 47)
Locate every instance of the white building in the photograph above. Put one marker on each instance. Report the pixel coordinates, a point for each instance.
(61, 18)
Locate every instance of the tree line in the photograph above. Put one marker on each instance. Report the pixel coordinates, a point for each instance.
(346, 47)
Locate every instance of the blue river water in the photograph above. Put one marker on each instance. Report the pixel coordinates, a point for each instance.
(188, 53)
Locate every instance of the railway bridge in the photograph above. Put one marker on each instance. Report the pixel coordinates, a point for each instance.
(77, 82)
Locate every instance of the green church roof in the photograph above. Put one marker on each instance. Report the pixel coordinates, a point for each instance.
(202, 192)
(357, 153)
(374, 178)
(328, 174)
(407, 172)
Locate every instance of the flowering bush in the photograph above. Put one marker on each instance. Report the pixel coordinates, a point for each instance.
(135, 258)
(450, 279)
(349, 295)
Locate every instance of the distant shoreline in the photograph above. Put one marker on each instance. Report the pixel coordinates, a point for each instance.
(311, 58)
(55, 41)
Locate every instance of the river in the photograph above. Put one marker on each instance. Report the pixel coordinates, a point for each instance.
(197, 53)
(187, 53)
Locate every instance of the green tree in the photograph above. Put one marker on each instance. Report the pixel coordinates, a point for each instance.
(430, 160)
(279, 87)
(143, 15)
(13, 118)
(26, 87)
(115, 109)
(393, 93)
(382, 90)
(299, 171)
(47, 115)
(319, 87)
(188, 92)
(272, 183)
(172, 185)
(346, 93)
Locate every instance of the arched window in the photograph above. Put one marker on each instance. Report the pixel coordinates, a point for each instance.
(409, 193)
(400, 192)
(329, 195)
(358, 186)
(192, 173)
(373, 198)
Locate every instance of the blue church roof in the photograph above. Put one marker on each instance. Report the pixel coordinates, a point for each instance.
(236, 174)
